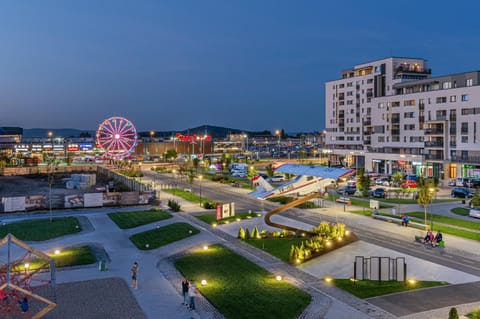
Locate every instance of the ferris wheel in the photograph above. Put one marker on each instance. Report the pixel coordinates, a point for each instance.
(117, 136)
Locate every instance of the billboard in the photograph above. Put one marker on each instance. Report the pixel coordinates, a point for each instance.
(93, 200)
(74, 201)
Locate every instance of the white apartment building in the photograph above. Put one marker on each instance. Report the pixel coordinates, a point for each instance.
(390, 115)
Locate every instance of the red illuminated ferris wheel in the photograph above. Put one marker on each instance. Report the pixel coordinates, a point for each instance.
(117, 136)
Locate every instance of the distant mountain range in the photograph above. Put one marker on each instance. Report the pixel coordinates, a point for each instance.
(214, 131)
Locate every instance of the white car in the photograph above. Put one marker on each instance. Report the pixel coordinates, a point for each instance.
(277, 178)
(474, 213)
(239, 174)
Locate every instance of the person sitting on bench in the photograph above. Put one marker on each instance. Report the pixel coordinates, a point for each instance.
(428, 238)
(438, 238)
(405, 220)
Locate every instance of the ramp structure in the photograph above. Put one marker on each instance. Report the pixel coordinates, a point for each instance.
(285, 207)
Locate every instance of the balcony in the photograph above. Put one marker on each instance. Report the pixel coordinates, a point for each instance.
(441, 117)
(367, 123)
(453, 130)
(467, 159)
(433, 143)
(434, 157)
(464, 131)
(433, 131)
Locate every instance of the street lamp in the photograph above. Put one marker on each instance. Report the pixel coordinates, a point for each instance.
(431, 190)
(200, 177)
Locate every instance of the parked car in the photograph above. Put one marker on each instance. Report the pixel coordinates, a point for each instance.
(462, 192)
(452, 183)
(347, 190)
(379, 193)
(277, 178)
(382, 181)
(239, 174)
(409, 183)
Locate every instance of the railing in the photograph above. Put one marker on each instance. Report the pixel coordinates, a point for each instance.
(468, 159)
(434, 157)
(433, 131)
(433, 144)
(441, 118)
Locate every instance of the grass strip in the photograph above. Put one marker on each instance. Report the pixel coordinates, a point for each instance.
(126, 220)
(76, 256)
(462, 211)
(241, 289)
(372, 288)
(190, 196)
(212, 218)
(446, 220)
(154, 238)
(41, 229)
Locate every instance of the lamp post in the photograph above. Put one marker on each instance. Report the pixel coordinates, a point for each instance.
(431, 190)
(200, 177)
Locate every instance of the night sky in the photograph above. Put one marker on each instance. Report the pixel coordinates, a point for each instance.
(247, 64)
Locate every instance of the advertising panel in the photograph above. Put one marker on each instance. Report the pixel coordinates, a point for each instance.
(93, 200)
(74, 201)
(13, 204)
(33, 202)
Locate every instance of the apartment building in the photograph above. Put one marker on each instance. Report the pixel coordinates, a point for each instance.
(391, 115)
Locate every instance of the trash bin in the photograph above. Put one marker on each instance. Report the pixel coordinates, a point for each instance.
(102, 265)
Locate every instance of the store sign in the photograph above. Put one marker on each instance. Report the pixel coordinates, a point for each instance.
(193, 138)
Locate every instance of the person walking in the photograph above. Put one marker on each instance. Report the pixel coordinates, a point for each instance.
(185, 285)
(134, 275)
(192, 292)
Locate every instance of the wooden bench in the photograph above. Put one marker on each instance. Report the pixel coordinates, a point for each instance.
(398, 221)
(344, 200)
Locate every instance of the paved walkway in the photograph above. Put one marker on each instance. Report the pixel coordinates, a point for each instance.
(159, 284)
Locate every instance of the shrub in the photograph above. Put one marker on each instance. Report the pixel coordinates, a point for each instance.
(210, 205)
(173, 205)
(247, 234)
(241, 233)
(453, 314)
(255, 233)
(475, 314)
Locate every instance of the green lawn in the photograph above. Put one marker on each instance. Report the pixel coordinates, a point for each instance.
(369, 288)
(190, 196)
(364, 212)
(241, 289)
(127, 220)
(71, 257)
(212, 218)
(414, 201)
(278, 247)
(366, 203)
(163, 235)
(460, 211)
(447, 220)
(475, 314)
(41, 229)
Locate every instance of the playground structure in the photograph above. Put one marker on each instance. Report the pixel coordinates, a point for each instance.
(22, 274)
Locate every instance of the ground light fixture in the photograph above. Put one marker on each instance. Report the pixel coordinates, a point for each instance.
(412, 281)
(278, 278)
(214, 225)
(204, 282)
(329, 243)
(347, 232)
(57, 252)
(328, 279)
(27, 265)
(205, 247)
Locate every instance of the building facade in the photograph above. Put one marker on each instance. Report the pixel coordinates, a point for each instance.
(391, 115)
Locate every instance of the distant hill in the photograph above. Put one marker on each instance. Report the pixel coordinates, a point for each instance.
(214, 131)
(59, 132)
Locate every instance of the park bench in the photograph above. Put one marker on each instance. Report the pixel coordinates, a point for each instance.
(188, 190)
(398, 221)
(344, 200)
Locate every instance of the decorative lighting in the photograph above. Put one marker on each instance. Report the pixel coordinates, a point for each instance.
(147, 245)
(347, 232)
(339, 238)
(214, 225)
(205, 247)
(190, 231)
(329, 243)
(238, 219)
(204, 282)
(412, 281)
(57, 252)
(298, 261)
(328, 279)
(27, 265)
(279, 278)
(227, 222)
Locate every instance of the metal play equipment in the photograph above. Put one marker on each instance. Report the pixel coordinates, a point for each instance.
(22, 274)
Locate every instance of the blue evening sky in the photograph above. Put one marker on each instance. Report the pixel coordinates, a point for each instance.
(247, 64)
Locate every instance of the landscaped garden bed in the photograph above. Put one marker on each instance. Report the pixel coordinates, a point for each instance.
(76, 256)
(126, 220)
(212, 218)
(41, 229)
(241, 289)
(297, 248)
(161, 236)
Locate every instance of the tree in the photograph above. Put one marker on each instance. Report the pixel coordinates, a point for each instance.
(363, 182)
(269, 169)
(84, 134)
(425, 196)
(171, 154)
(476, 199)
(397, 178)
(453, 314)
